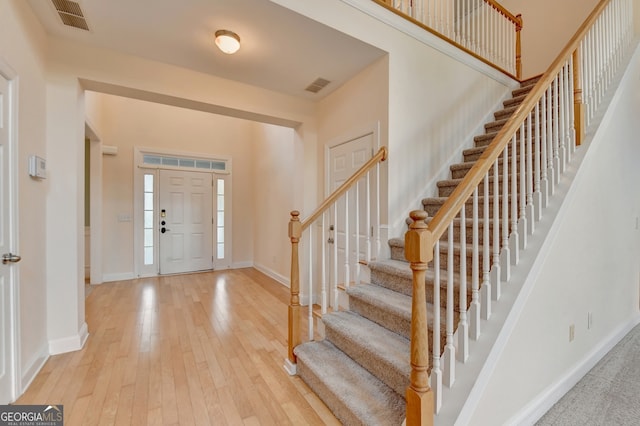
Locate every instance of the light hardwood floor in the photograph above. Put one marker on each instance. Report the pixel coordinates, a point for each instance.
(198, 349)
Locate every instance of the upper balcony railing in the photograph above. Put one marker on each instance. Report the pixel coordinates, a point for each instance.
(482, 28)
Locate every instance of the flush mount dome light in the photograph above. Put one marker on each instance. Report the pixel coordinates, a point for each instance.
(227, 41)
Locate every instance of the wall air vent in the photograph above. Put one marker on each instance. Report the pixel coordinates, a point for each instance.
(317, 85)
(71, 14)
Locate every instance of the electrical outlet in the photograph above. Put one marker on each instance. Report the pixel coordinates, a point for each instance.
(572, 332)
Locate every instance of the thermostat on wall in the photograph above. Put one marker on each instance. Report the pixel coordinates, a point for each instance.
(37, 167)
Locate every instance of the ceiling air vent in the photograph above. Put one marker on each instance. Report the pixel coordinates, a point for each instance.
(70, 14)
(317, 85)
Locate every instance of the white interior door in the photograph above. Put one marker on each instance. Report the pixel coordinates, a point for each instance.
(344, 160)
(7, 272)
(186, 228)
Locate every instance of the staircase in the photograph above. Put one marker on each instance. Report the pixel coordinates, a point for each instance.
(361, 369)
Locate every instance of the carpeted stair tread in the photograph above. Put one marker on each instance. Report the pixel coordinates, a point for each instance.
(396, 275)
(516, 100)
(380, 351)
(392, 301)
(505, 112)
(387, 308)
(355, 396)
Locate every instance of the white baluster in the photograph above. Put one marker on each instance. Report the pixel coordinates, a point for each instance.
(496, 275)
(514, 239)
(357, 230)
(556, 131)
(530, 215)
(562, 153)
(486, 244)
(474, 308)
(457, 32)
(550, 169)
(522, 217)
(505, 253)
(347, 237)
(537, 192)
(571, 130)
(376, 231)
(436, 372)
(544, 183)
(310, 285)
(449, 348)
(368, 226)
(323, 263)
(463, 325)
(334, 263)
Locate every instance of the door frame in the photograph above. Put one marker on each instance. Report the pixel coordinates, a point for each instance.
(139, 168)
(372, 129)
(14, 272)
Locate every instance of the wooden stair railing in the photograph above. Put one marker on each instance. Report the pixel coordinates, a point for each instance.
(488, 32)
(543, 133)
(296, 229)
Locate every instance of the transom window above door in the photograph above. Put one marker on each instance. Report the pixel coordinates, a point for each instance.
(171, 161)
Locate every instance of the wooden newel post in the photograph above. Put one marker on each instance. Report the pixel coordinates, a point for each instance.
(419, 252)
(578, 105)
(518, 47)
(295, 232)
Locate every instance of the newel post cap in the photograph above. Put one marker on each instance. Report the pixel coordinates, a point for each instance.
(417, 240)
(295, 226)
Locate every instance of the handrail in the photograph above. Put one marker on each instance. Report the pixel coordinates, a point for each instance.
(296, 228)
(500, 8)
(381, 155)
(515, 19)
(463, 191)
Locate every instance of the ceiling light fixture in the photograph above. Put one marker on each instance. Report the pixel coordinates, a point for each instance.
(227, 41)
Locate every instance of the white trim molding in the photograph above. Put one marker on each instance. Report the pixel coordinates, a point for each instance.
(71, 343)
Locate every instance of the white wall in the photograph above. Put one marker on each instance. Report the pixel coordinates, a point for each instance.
(22, 46)
(547, 27)
(274, 177)
(592, 265)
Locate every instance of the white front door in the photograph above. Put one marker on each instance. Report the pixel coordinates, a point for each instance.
(186, 229)
(349, 218)
(7, 268)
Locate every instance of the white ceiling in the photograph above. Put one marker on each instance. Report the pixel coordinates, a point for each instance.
(281, 50)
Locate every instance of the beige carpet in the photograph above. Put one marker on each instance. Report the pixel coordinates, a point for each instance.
(608, 395)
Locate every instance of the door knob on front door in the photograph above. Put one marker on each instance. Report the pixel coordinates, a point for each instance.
(10, 258)
(163, 229)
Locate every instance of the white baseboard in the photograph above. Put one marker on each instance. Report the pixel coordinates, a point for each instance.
(271, 273)
(122, 276)
(533, 411)
(71, 343)
(240, 265)
(30, 372)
